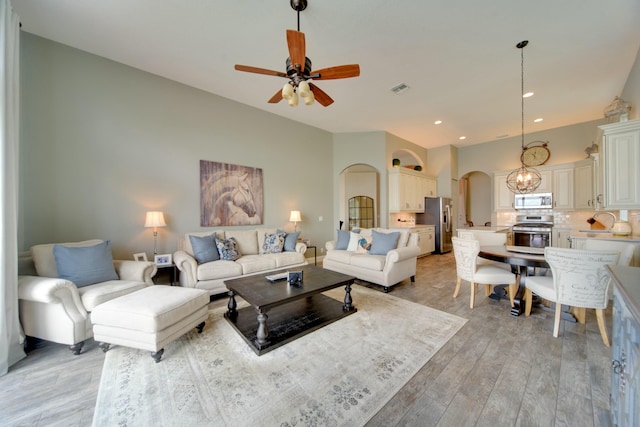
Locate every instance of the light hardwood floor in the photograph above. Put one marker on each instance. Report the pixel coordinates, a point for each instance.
(499, 370)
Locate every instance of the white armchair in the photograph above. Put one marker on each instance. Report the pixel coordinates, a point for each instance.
(55, 309)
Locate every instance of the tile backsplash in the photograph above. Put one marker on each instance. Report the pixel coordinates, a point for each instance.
(563, 219)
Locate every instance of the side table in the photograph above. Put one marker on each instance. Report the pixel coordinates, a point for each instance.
(172, 271)
(315, 253)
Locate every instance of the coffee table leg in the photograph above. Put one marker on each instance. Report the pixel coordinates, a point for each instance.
(348, 306)
(232, 307)
(263, 330)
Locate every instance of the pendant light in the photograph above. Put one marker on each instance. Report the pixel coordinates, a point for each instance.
(523, 180)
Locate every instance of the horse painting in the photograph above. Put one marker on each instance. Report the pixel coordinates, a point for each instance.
(230, 194)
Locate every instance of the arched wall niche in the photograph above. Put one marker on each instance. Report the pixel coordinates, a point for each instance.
(474, 199)
(407, 158)
(358, 180)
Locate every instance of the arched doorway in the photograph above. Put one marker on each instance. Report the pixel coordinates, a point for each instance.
(359, 197)
(474, 199)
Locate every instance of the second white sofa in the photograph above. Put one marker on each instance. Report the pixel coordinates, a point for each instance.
(253, 258)
(386, 261)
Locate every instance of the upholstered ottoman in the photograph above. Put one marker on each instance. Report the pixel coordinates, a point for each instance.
(150, 318)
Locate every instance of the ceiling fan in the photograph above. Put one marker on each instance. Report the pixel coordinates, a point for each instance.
(299, 71)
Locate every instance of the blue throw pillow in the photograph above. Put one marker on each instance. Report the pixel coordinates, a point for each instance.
(343, 239)
(228, 249)
(204, 248)
(290, 241)
(383, 242)
(85, 265)
(273, 243)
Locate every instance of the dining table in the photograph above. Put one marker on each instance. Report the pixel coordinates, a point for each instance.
(524, 261)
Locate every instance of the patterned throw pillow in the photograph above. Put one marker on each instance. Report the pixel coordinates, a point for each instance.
(228, 249)
(273, 243)
(364, 244)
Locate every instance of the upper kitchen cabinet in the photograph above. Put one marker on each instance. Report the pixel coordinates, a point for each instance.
(563, 188)
(585, 177)
(620, 160)
(408, 188)
(502, 196)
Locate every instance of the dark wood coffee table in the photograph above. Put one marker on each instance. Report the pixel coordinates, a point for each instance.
(285, 312)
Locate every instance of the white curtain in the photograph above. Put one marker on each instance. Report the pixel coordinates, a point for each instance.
(10, 338)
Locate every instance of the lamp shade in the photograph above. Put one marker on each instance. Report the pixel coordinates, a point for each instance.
(155, 219)
(295, 216)
(287, 91)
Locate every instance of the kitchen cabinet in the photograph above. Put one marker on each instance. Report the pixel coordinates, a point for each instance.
(625, 366)
(562, 188)
(561, 238)
(431, 186)
(584, 184)
(426, 239)
(407, 190)
(620, 159)
(502, 196)
(546, 184)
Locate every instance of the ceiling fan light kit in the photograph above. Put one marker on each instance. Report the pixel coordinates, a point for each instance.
(299, 70)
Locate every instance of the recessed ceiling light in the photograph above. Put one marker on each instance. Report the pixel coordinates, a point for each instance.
(538, 120)
(462, 137)
(399, 88)
(437, 122)
(527, 95)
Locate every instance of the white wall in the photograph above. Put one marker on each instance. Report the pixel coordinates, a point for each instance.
(101, 143)
(631, 91)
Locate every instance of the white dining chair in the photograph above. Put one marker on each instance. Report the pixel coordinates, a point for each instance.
(466, 254)
(487, 239)
(578, 279)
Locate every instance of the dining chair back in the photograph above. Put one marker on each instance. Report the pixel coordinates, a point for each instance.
(466, 253)
(487, 239)
(578, 279)
(626, 249)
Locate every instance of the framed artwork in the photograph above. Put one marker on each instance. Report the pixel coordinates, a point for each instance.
(230, 194)
(140, 256)
(164, 259)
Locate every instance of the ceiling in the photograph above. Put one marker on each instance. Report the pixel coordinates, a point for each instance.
(458, 58)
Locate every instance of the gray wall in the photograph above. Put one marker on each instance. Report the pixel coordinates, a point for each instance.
(631, 91)
(566, 144)
(102, 143)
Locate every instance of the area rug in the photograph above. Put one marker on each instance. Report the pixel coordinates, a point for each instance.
(339, 375)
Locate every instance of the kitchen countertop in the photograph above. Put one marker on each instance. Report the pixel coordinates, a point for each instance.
(605, 236)
(411, 226)
(626, 279)
(495, 229)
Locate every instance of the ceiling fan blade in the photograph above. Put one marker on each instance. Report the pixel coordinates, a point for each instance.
(295, 41)
(277, 97)
(320, 95)
(339, 72)
(257, 70)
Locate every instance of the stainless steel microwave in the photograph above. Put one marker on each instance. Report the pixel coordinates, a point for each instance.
(534, 201)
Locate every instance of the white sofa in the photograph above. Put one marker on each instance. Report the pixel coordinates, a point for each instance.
(55, 309)
(253, 260)
(385, 270)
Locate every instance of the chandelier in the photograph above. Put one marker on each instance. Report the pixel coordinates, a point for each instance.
(523, 180)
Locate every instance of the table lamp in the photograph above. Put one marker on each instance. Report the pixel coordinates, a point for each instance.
(155, 219)
(295, 219)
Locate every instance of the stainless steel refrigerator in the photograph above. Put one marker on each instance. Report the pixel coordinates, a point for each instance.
(438, 212)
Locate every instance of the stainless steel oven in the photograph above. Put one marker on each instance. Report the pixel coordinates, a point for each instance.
(532, 230)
